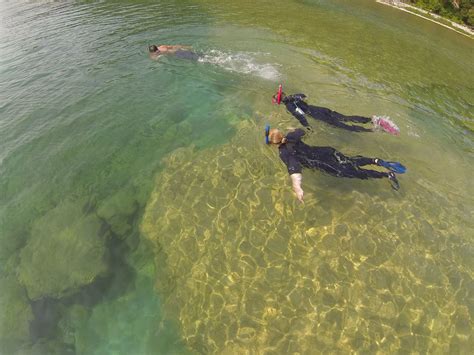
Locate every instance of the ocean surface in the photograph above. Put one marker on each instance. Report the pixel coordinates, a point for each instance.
(142, 213)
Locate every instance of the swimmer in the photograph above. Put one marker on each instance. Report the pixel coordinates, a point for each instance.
(296, 105)
(179, 51)
(297, 155)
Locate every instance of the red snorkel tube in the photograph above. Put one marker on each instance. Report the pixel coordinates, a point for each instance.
(277, 99)
(280, 90)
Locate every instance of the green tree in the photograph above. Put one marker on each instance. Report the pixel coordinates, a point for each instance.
(457, 10)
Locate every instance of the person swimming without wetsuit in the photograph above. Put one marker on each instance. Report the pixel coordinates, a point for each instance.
(297, 155)
(182, 52)
(296, 105)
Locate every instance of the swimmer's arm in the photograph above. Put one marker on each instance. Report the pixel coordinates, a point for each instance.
(294, 169)
(296, 180)
(299, 97)
(299, 114)
(295, 97)
(174, 48)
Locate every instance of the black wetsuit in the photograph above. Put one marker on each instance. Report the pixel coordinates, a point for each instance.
(296, 155)
(299, 108)
(186, 54)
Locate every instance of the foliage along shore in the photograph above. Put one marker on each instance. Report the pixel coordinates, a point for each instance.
(457, 15)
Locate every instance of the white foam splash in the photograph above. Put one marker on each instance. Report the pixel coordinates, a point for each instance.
(240, 63)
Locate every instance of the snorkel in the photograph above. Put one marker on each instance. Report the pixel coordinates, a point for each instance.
(276, 99)
(267, 132)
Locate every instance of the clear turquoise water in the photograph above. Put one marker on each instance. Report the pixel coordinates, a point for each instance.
(86, 120)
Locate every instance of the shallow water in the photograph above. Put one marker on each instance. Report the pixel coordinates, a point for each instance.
(141, 213)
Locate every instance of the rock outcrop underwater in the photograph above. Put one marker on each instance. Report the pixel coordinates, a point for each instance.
(220, 221)
(65, 251)
(243, 267)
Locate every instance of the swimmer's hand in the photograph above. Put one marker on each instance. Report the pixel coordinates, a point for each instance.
(296, 180)
(299, 194)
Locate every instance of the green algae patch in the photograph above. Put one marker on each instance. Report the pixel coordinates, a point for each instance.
(65, 251)
(15, 315)
(118, 210)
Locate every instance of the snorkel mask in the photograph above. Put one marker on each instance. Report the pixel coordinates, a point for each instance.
(267, 132)
(276, 99)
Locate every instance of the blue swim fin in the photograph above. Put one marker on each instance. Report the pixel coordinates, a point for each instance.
(394, 166)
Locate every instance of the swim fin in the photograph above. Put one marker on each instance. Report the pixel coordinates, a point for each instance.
(394, 166)
(393, 181)
(386, 124)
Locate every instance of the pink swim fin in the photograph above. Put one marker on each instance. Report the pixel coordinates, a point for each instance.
(386, 124)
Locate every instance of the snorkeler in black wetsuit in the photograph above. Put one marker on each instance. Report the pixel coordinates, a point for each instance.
(297, 155)
(299, 108)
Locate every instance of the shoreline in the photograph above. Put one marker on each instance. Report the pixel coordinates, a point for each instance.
(454, 26)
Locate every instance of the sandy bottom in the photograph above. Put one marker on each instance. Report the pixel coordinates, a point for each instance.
(245, 268)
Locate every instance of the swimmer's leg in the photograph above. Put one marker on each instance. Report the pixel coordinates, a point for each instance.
(352, 128)
(359, 160)
(335, 119)
(369, 174)
(349, 167)
(358, 119)
(372, 174)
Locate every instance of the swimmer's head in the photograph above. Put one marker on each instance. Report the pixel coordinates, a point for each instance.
(153, 48)
(275, 136)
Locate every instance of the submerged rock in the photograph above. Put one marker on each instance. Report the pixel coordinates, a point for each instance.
(46, 346)
(65, 251)
(15, 316)
(221, 218)
(118, 211)
(245, 268)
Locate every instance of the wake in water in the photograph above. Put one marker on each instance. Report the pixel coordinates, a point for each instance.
(240, 62)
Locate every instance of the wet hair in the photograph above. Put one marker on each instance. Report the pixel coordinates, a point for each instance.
(153, 48)
(275, 136)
